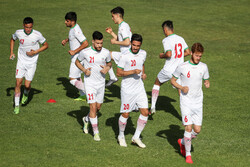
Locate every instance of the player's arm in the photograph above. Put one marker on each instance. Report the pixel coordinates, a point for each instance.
(106, 68)
(32, 52)
(12, 43)
(81, 67)
(110, 31)
(83, 45)
(187, 52)
(143, 76)
(65, 41)
(184, 89)
(207, 83)
(167, 54)
(121, 73)
(125, 42)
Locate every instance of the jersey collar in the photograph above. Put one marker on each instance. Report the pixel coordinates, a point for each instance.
(134, 53)
(93, 49)
(192, 63)
(29, 33)
(121, 23)
(73, 27)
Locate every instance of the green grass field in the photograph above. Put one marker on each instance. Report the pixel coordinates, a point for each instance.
(51, 134)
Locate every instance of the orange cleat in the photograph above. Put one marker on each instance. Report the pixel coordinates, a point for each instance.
(189, 159)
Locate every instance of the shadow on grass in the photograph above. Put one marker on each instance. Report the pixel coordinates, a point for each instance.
(71, 91)
(172, 135)
(32, 92)
(79, 114)
(164, 103)
(113, 122)
(111, 91)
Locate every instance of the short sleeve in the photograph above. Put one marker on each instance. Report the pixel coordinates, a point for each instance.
(14, 36)
(166, 45)
(121, 63)
(177, 72)
(125, 32)
(79, 35)
(185, 46)
(81, 56)
(41, 39)
(206, 73)
(108, 59)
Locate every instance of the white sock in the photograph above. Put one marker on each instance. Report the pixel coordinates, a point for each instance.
(122, 122)
(112, 74)
(141, 122)
(94, 123)
(193, 134)
(155, 94)
(187, 140)
(79, 85)
(17, 99)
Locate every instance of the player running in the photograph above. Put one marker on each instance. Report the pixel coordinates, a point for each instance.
(77, 42)
(175, 48)
(28, 52)
(191, 73)
(133, 94)
(97, 62)
(123, 39)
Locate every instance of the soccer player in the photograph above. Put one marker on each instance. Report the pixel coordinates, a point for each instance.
(122, 39)
(175, 48)
(192, 73)
(28, 52)
(133, 94)
(77, 42)
(97, 62)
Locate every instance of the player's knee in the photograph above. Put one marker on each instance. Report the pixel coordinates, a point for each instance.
(188, 128)
(197, 130)
(125, 115)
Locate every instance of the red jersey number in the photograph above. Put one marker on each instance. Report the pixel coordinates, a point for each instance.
(178, 47)
(133, 63)
(188, 74)
(92, 60)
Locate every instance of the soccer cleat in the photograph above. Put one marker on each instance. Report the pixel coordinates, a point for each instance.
(24, 99)
(122, 141)
(152, 111)
(138, 142)
(16, 110)
(85, 125)
(110, 82)
(189, 159)
(81, 98)
(182, 148)
(97, 137)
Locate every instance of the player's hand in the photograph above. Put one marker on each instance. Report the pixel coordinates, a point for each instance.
(105, 69)
(161, 55)
(12, 56)
(72, 52)
(113, 41)
(185, 89)
(137, 71)
(64, 42)
(207, 83)
(87, 72)
(143, 76)
(109, 30)
(31, 52)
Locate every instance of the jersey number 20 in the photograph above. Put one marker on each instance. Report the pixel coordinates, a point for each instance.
(178, 47)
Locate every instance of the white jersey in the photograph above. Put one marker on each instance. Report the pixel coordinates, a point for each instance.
(26, 43)
(191, 75)
(94, 59)
(124, 32)
(176, 44)
(76, 37)
(132, 84)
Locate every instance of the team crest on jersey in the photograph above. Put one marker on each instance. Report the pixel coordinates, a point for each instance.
(21, 41)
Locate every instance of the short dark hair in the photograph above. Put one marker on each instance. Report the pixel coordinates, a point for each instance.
(118, 10)
(71, 16)
(169, 24)
(97, 35)
(136, 37)
(27, 20)
(197, 47)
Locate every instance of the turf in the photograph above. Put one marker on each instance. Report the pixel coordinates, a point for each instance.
(50, 134)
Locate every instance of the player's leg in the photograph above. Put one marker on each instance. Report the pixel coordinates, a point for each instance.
(94, 121)
(195, 131)
(155, 94)
(17, 94)
(141, 123)
(197, 119)
(112, 78)
(76, 81)
(27, 87)
(122, 122)
(188, 143)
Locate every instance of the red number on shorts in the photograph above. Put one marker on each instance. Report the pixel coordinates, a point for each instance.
(126, 106)
(92, 60)
(16, 71)
(186, 119)
(133, 63)
(188, 74)
(176, 50)
(91, 96)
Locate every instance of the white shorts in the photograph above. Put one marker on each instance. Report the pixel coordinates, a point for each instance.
(116, 56)
(95, 94)
(74, 71)
(25, 70)
(130, 102)
(164, 76)
(191, 115)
